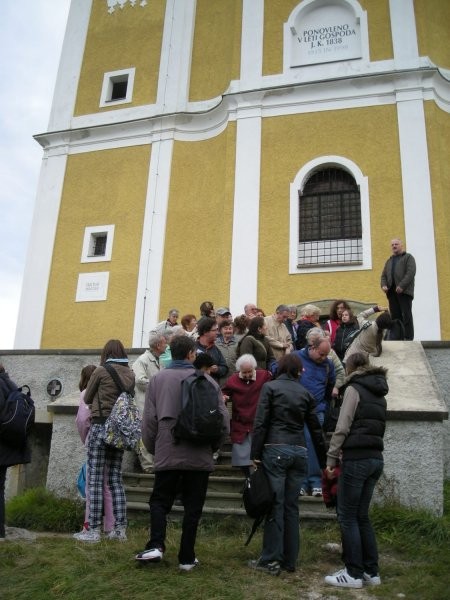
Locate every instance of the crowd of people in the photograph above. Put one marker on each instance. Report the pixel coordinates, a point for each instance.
(282, 375)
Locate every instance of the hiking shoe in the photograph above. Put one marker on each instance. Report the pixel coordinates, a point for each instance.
(150, 555)
(343, 579)
(188, 566)
(371, 579)
(90, 536)
(272, 568)
(119, 534)
(316, 492)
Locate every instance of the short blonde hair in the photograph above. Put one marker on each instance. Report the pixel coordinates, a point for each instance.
(309, 310)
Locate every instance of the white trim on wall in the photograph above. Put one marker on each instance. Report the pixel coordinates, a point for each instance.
(152, 247)
(404, 34)
(33, 298)
(252, 43)
(418, 215)
(176, 55)
(298, 184)
(69, 70)
(245, 246)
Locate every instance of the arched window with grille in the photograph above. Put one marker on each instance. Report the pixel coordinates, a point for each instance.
(330, 230)
(329, 217)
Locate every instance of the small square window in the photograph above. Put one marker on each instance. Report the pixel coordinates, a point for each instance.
(117, 87)
(97, 244)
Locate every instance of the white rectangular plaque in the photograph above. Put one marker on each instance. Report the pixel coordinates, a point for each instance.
(92, 287)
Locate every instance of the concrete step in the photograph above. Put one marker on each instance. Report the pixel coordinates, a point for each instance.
(224, 497)
(305, 515)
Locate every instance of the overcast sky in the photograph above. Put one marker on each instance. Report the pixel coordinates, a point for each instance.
(32, 37)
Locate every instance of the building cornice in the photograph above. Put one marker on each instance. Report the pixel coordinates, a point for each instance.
(275, 97)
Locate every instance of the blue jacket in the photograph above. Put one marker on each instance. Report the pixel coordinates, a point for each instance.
(318, 378)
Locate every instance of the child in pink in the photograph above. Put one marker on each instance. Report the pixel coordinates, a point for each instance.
(83, 422)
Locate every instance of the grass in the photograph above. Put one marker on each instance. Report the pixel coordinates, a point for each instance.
(414, 561)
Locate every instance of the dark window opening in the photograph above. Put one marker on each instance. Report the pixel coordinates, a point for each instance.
(99, 246)
(330, 228)
(119, 90)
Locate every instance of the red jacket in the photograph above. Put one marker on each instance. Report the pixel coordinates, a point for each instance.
(244, 396)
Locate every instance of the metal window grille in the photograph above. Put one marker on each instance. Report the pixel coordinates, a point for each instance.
(330, 230)
(99, 245)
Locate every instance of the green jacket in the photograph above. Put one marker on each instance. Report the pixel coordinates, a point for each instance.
(405, 272)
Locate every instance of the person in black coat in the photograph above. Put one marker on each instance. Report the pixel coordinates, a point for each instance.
(9, 455)
(279, 445)
(349, 324)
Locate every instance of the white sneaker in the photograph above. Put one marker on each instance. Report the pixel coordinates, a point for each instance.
(117, 534)
(150, 555)
(90, 536)
(316, 492)
(343, 579)
(371, 579)
(188, 566)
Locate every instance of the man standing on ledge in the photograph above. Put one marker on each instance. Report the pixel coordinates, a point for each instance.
(397, 281)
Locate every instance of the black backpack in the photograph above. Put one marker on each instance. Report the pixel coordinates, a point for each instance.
(17, 416)
(200, 421)
(258, 498)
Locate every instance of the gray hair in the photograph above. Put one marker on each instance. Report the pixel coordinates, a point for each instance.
(310, 309)
(282, 308)
(315, 333)
(174, 331)
(154, 338)
(248, 359)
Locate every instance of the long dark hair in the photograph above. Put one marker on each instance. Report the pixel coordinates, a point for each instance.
(253, 326)
(112, 349)
(333, 308)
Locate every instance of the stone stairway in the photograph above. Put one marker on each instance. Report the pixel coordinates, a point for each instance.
(224, 496)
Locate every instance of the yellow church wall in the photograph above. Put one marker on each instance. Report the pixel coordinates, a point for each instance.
(100, 188)
(276, 13)
(197, 252)
(126, 38)
(438, 137)
(433, 26)
(216, 48)
(366, 136)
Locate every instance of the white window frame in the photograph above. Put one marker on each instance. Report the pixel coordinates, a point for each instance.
(107, 87)
(90, 233)
(324, 162)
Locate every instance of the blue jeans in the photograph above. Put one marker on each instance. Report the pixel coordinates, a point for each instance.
(355, 490)
(314, 477)
(286, 467)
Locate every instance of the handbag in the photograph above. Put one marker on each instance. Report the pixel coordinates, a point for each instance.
(258, 498)
(123, 425)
